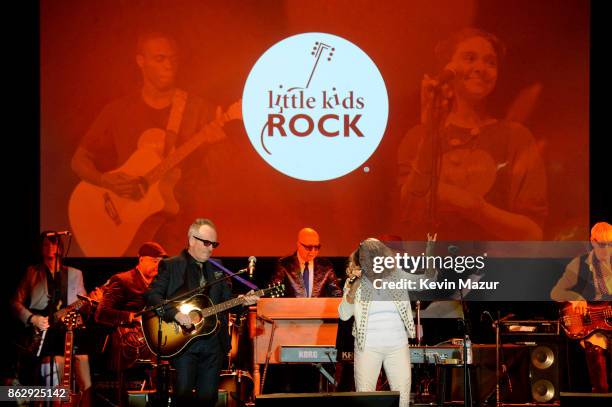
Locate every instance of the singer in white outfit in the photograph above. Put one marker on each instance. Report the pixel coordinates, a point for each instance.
(383, 322)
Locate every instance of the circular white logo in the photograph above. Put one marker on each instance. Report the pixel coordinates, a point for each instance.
(315, 106)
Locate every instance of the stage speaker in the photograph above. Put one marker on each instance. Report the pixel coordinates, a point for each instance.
(143, 398)
(346, 399)
(544, 372)
(137, 398)
(586, 399)
(514, 383)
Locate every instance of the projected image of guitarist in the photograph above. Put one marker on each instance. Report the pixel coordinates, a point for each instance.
(589, 278)
(139, 152)
(45, 295)
(198, 363)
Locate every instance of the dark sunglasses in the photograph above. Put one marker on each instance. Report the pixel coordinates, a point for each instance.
(207, 242)
(311, 247)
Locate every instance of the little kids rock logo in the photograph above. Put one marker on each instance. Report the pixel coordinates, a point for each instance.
(315, 106)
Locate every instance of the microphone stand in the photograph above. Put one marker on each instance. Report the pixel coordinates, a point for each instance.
(161, 398)
(434, 125)
(467, 392)
(56, 266)
(419, 330)
(497, 346)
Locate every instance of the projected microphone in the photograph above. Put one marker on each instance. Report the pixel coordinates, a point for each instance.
(61, 233)
(446, 76)
(251, 266)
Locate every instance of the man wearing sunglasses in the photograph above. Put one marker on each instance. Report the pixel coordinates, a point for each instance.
(589, 278)
(197, 367)
(304, 273)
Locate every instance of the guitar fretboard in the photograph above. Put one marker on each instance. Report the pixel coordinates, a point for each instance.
(228, 304)
(68, 358)
(177, 156)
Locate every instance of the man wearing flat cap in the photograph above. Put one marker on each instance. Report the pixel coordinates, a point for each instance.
(123, 296)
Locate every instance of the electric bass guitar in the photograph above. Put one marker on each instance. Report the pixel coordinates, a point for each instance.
(578, 326)
(120, 221)
(203, 314)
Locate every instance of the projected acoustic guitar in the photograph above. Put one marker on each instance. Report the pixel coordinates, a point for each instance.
(203, 314)
(106, 223)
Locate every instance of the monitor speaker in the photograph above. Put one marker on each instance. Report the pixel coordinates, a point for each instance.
(346, 399)
(544, 372)
(145, 397)
(585, 399)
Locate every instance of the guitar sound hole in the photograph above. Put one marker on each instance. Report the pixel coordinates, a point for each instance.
(196, 316)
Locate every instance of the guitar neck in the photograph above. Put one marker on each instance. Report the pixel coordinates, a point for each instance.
(224, 306)
(177, 156)
(68, 348)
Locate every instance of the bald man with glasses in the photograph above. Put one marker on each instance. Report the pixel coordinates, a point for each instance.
(304, 273)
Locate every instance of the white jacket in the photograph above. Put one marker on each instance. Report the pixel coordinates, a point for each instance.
(360, 310)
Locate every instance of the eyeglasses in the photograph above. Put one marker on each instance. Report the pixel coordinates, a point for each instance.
(311, 247)
(603, 244)
(206, 243)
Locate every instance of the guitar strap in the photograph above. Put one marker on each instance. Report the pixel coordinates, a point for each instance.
(174, 120)
(64, 285)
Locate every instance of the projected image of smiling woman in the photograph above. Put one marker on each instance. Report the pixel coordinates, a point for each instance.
(491, 182)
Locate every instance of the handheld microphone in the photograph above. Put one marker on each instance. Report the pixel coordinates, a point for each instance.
(453, 250)
(251, 266)
(61, 233)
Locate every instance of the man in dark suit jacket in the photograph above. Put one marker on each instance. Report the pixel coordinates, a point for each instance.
(121, 297)
(123, 293)
(198, 366)
(304, 273)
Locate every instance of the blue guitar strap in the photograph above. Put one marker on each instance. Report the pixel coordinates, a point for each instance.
(236, 277)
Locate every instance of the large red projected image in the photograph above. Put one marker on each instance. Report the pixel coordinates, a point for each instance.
(142, 123)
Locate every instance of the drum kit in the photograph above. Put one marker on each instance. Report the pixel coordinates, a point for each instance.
(238, 384)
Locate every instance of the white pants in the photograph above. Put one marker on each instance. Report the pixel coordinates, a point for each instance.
(396, 362)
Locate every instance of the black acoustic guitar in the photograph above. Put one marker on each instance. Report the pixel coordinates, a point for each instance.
(203, 314)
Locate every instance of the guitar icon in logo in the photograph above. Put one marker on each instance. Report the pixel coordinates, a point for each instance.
(318, 50)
